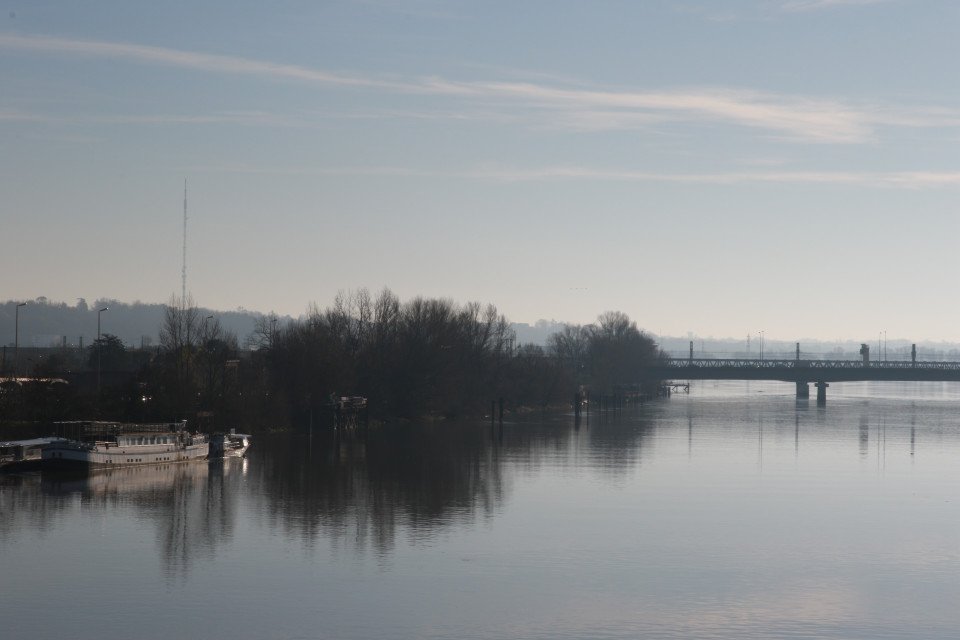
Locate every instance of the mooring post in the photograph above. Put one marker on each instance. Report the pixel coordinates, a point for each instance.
(501, 411)
(913, 355)
(493, 412)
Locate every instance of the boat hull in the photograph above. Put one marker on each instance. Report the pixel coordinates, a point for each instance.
(73, 456)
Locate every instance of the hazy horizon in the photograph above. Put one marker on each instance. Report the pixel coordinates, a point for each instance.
(240, 321)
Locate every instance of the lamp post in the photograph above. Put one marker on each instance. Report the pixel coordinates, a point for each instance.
(16, 340)
(99, 346)
(203, 327)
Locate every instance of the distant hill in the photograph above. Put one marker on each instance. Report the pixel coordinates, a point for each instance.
(45, 323)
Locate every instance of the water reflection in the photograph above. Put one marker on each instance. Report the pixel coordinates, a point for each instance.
(356, 489)
(192, 506)
(864, 435)
(23, 506)
(725, 516)
(363, 490)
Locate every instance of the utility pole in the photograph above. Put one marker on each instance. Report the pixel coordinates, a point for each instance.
(99, 345)
(16, 340)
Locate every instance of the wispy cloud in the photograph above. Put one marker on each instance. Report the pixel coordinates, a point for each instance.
(242, 118)
(178, 58)
(801, 118)
(895, 179)
(18, 116)
(765, 10)
(811, 5)
(902, 179)
(576, 108)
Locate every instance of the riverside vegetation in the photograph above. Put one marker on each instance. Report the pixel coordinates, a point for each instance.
(422, 357)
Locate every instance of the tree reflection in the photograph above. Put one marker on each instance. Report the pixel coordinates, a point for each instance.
(360, 489)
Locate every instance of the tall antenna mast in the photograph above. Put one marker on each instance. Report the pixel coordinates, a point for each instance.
(183, 294)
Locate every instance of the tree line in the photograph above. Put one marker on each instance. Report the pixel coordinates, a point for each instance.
(410, 359)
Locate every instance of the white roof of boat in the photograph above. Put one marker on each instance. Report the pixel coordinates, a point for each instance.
(29, 443)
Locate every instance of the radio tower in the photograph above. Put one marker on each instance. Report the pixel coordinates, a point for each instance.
(183, 293)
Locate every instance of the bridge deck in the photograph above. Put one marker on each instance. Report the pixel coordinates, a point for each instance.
(804, 370)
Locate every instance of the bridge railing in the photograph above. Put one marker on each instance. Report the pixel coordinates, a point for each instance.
(741, 363)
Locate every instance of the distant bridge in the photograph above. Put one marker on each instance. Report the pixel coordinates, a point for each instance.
(803, 372)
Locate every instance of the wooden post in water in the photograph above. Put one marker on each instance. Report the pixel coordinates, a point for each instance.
(501, 411)
(493, 412)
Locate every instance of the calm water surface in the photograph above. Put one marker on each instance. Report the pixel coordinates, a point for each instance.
(734, 512)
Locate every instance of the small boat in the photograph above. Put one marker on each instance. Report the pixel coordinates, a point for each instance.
(229, 445)
(108, 445)
(23, 455)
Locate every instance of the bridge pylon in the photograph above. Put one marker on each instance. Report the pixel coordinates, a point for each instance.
(821, 392)
(803, 390)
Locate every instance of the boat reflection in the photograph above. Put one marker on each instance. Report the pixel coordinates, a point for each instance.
(192, 505)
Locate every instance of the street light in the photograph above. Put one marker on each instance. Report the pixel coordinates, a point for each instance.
(98, 347)
(203, 327)
(16, 340)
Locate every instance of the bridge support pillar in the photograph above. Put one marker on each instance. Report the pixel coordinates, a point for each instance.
(803, 390)
(822, 392)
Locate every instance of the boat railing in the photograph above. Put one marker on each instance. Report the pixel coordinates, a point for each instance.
(99, 428)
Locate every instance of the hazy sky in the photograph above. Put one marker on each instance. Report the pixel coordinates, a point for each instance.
(708, 166)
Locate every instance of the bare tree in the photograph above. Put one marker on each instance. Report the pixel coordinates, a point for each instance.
(179, 336)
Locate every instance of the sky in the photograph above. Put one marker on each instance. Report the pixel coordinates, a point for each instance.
(713, 167)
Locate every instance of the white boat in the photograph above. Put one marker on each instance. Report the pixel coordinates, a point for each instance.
(229, 445)
(235, 445)
(108, 445)
(23, 455)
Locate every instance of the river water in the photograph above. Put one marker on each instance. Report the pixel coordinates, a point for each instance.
(731, 512)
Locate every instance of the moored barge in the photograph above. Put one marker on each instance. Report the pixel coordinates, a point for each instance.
(108, 445)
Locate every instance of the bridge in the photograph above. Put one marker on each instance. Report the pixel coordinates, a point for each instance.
(803, 372)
